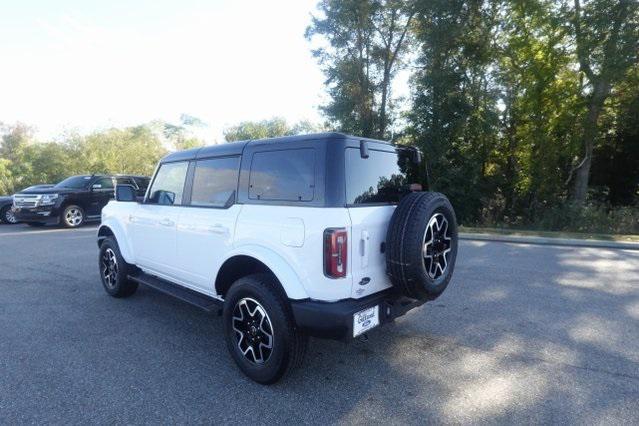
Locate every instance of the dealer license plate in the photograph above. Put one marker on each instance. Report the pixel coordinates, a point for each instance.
(365, 320)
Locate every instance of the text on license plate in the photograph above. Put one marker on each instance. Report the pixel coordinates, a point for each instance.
(365, 320)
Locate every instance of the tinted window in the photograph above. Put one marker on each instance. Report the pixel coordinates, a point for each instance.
(143, 182)
(287, 175)
(124, 181)
(168, 185)
(74, 182)
(215, 182)
(377, 179)
(105, 183)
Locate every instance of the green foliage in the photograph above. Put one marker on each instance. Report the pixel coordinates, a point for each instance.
(513, 102)
(271, 128)
(182, 136)
(363, 43)
(25, 162)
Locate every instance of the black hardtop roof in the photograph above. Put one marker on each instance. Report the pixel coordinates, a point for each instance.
(236, 148)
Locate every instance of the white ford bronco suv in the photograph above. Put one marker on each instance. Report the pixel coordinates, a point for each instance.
(323, 235)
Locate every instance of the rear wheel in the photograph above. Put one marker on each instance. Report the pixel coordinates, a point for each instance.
(260, 331)
(72, 216)
(114, 271)
(7, 216)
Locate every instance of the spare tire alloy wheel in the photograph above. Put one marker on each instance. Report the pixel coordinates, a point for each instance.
(253, 330)
(437, 246)
(422, 245)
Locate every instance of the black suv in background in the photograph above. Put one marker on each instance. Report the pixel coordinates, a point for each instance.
(73, 201)
(6, 204)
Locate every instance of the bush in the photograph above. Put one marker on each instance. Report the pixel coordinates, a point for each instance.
(591, 218)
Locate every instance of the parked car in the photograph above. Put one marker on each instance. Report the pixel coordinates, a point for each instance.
(6, 214)
(73, 201)
(317, 235)
(6, 204)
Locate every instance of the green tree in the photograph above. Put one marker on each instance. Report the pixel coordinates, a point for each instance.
(134, 150)
(182, 136)
(6, 177)
(615, 172)
(363, 46)
(14, 146)
(454, 117)
(540, 94)
(606, 34)
(271, 128)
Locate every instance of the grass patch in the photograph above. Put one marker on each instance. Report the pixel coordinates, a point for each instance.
(550, 234)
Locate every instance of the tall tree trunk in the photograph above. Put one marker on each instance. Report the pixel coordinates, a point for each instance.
(590, 131)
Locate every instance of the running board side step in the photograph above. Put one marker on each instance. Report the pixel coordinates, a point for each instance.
(200, 300)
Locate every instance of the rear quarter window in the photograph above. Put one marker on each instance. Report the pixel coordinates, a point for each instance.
(286, 175)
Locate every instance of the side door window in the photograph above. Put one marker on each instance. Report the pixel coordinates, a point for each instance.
(102, 190)
(124, 181)
(168, 186)
(103, 185)
(215, 182)
(142, 184)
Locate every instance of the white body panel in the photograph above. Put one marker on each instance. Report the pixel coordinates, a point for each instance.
(296, 234)
(368, 263)
(152, 236)
(204, 237)
(188, 245)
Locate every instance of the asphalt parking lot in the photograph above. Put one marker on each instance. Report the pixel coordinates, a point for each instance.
(524, 334)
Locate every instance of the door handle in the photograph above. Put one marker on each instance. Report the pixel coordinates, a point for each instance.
(365, 249)
(132, 218)
(167, 222)
(218, 229)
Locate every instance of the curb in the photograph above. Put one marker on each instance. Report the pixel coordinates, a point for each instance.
(566, 242)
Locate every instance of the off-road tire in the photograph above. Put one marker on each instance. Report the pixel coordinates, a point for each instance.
(405, 253)
(120, 286)
(289, 344)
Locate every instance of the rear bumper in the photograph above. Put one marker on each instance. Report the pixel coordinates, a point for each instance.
(334, 320)
(48, 215)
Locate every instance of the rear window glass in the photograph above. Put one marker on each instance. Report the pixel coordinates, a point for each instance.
(287, 175)
(378, 179)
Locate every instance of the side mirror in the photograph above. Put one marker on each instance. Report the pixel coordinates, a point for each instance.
(96, 186)
(125, 193)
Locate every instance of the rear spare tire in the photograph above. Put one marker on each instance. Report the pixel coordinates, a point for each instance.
(422, 245)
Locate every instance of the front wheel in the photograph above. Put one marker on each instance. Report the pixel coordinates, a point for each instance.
(72, 216)
(114, 271)
(7, 216)
(260, 331)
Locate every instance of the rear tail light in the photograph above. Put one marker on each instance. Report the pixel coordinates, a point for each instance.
(335, 252)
